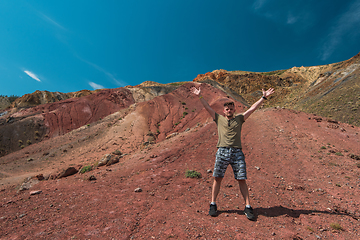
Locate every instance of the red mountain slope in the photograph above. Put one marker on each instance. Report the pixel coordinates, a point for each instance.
(302, 170)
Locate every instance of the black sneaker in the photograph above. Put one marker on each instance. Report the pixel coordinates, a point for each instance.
(213, 210)
(249, 213)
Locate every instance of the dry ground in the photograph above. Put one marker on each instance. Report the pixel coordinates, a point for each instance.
(302, 179)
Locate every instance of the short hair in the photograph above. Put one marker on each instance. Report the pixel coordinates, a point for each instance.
(229, 104)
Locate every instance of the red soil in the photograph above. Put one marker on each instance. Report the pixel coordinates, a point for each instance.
(62, 117)
(301, 177)
(53, 119)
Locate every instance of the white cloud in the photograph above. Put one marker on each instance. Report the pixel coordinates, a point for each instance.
(348, 23)
(109, 75)
(95, 85)
(286, 13)
(291, 19)
(51, 21)
(259, 4)
(32, 75)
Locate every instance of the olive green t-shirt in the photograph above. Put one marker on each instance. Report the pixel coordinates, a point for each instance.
(229, 131)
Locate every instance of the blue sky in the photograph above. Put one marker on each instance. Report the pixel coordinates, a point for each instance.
(68, 46)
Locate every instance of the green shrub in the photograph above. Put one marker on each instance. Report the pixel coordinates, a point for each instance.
(86, 169)
(192, 174)
(336, 226)
(116, 152)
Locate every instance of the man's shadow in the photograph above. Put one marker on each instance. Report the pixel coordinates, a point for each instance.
(280, 210)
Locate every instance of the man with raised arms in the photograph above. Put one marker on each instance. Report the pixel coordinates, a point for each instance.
(229, 148)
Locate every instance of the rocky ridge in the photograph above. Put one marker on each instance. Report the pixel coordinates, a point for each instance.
(330, 90)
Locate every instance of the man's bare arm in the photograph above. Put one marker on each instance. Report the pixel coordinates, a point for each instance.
(258, 103)
(196, 92)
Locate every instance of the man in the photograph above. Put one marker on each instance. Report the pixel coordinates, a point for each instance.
(229, 148)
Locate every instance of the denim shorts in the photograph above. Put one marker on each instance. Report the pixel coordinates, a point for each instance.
(233, 156)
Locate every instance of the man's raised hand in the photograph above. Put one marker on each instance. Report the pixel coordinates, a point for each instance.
(268, 92)
(195, 91)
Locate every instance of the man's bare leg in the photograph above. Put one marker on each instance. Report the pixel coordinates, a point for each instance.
(216, 188)
(244, 191)
(214, 194)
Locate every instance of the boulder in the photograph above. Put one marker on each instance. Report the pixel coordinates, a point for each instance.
(28, 183)
(104, 160)
(67, 172)
(113, 160)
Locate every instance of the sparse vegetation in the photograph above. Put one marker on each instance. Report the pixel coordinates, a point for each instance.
(310, 229)
(177, 83)
(11, 98)
(192, 174)
(277, 72)
(336, 226)
(117, 152)
(86, 169)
